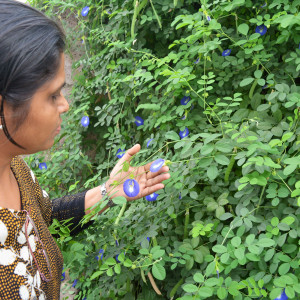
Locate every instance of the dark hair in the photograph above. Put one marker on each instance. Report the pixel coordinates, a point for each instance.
(30, 48)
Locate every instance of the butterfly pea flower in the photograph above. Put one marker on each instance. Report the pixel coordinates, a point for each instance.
(282, 296)
(63, 276)
(151, 197)
(183, 117)
(100, 252)
(197, 60)
(185, 100)
(117, 243)
(180, 196)
(120, 153)
(184, 133)
(157, 165)
(208, 18)
(148, 143)
(85, 121)
(262, 29)
(264, 5)
(43, 166)
(75, 282)
(117, 257)
(85, 11)
(131, 187)
(226, 52)
(148, 239)
(139, 121)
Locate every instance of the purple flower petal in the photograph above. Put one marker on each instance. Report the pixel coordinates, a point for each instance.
(85, 121)
(43, 166)
(151, 197)
(208, 18)
(179, 196)
(120, 153)
(282, 296)
(226, 52)
(148, 143)
(139, 121)
(184, 133)
(262, 29)
(157, 165)
(131, 187)
(185, 100)
(197, 60)
(85, 11)
(75, 282)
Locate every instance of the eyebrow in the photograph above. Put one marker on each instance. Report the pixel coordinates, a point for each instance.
(61, 87)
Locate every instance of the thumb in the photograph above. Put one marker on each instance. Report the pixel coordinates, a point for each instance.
(131, 152)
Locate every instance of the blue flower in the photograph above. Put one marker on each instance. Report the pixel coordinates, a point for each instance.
(184, 133)
(264, 5)
(85, 121)
(148, 143)
(183, 117)
(63, 276)
(131, 187)
(262, 29)
(117, 243)
(75, 282)
(156, 165)
(43, 166)
(148, 239)
(282, 296)
(117, 258)
(264, 87)
(197, 60)
(139, 121)
(179, 196)
(120, 153)
(151, 197)
(226, 52)
(185, 100)
(85, 11)
(101, 252)
(208, 18)
(109, 12)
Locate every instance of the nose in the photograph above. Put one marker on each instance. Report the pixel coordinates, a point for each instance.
(64, 105)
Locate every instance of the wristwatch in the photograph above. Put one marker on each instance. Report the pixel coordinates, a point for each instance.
(104, 193)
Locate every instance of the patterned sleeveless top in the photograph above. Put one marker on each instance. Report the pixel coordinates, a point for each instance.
(19, 276)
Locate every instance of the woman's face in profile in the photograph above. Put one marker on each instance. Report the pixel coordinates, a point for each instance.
(42, 123)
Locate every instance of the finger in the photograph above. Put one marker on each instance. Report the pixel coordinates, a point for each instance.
(130, 152)
(152, 189)
(157, 179)
(162, 170)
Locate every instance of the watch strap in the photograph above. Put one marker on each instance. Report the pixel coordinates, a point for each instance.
(104, 193)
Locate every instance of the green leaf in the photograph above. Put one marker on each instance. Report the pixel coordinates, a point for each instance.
(205, 292)
(198, 277)
(158, 253)
(222, 159)
(246, 81)
(236, 241)
(159, 271)
(222, 293)
(172, 135)
(190, 288)
(126, 166)
(96, 274)
(289, 169)
(120, 200)
(212, 172)
(110, 261)
(239, 253)
(207, 149)
(151, 106)
(117, 268)
(287, 136)
(243, 29)
(265, 242)
(219, 249)
(288, 220)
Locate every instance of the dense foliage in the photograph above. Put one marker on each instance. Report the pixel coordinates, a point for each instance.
(215, 86)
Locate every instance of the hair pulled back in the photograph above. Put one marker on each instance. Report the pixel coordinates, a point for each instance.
(30, 48)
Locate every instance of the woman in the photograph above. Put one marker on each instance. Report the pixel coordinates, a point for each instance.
(31, 104)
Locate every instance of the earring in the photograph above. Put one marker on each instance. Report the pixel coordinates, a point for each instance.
(1, 127)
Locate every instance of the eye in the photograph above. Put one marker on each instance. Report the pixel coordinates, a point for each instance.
(54, 97)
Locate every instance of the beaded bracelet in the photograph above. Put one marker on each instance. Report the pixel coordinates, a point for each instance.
(104, 193)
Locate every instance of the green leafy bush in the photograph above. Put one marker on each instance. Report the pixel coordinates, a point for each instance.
(226, 225)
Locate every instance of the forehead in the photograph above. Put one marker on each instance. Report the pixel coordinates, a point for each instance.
(57, 81)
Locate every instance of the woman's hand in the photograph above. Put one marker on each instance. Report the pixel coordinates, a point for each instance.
(149, 182)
